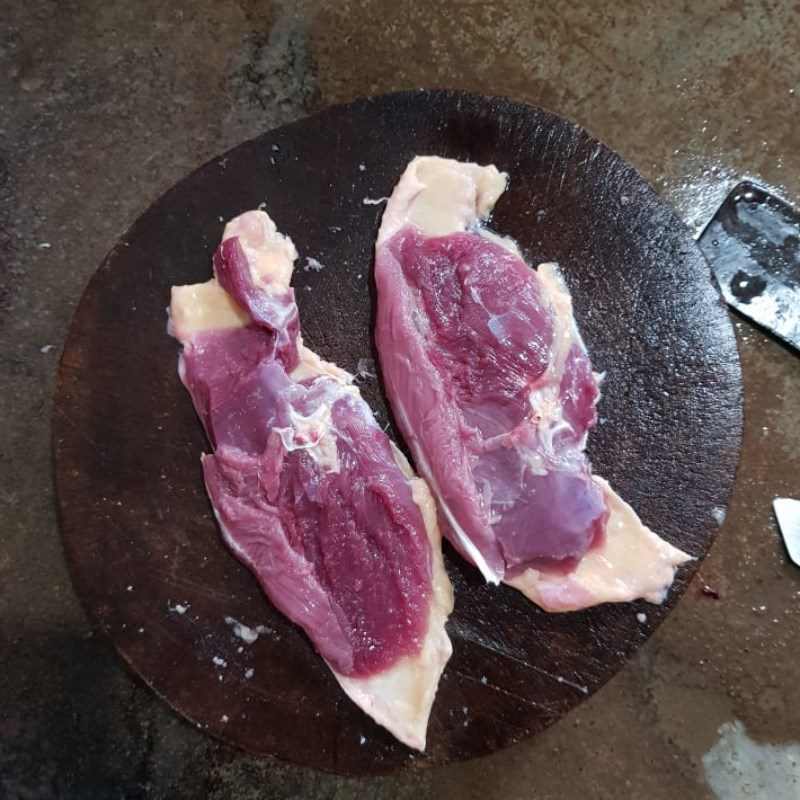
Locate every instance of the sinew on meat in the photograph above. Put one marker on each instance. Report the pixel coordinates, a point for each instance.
(308, 491)
(493, 389)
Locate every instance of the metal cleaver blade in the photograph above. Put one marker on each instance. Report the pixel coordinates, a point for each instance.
(753, 246)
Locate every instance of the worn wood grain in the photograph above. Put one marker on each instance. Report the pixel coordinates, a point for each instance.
(137, 529)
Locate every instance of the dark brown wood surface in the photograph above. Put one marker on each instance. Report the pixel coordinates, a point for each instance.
(137, 527)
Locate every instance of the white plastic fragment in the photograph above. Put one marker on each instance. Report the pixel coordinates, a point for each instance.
(787, 512)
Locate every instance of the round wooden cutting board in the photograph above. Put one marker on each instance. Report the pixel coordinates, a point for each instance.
(144, 550)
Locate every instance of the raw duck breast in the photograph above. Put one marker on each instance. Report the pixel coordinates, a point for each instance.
(308, 491)
(492, 387)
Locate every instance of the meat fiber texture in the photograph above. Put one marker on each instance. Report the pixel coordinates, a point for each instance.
(493, 389)
(308, 491)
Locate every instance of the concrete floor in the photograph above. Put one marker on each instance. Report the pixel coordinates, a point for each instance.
(103, 106)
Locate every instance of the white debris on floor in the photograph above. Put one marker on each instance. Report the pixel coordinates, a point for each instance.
(739, 768)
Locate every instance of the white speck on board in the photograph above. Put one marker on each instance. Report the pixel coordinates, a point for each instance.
(365, 368)
(245, 633)
(578, 686)
(313, 264)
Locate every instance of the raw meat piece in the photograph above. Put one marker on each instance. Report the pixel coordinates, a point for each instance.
(493, 389)
(308, 491)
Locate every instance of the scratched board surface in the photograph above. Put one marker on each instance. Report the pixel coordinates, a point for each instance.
(144, 551)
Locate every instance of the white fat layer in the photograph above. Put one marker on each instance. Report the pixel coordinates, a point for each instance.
(632, 563)
(400, 698)
(207, 306)
(203, 307)
(505, 242)
(565, 332)
(441, 196)
(311, 365)
(544, 396)
(270, 254)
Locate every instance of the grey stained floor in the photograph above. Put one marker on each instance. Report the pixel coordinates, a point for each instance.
(104, 105)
